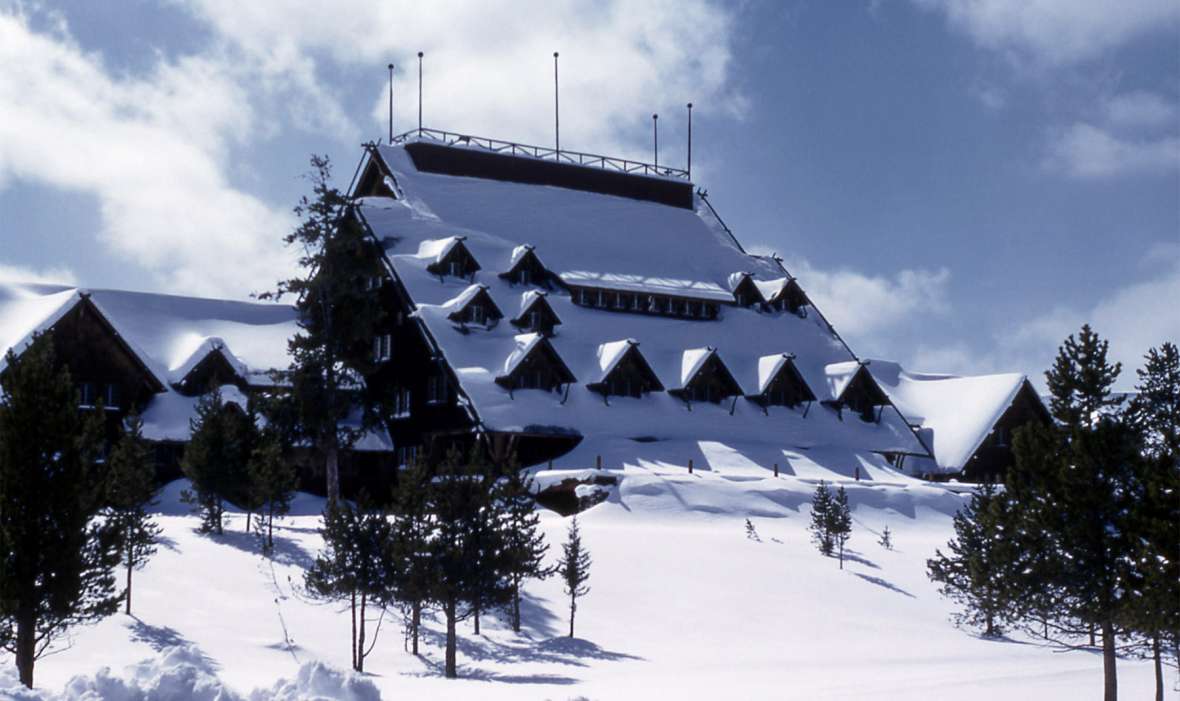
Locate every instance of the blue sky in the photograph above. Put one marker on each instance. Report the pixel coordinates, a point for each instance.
(957, 184)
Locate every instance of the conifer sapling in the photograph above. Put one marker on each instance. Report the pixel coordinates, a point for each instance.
(574, 569)
(130, 488)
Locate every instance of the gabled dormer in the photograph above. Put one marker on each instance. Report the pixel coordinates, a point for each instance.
(525, 268)
(449, 257)
(785, 294)
(624, 372)
(852, 387)
(536, 314)
(705, 378)
(474, 307)
(534, 364)
(780, 383)
(745, 291)
(375, 180)
(211, 364)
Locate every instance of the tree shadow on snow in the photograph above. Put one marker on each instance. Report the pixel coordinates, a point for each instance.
(160, 638)
(284, 552)
(536, 621)
(853, 556)
(884, 583)
(484, 675)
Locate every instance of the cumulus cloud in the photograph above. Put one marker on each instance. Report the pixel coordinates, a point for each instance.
(154, 152)
(1086, 151)
(1140, 108)
(1055, 32)
(18, 273)
(870, 311)
(488, 67)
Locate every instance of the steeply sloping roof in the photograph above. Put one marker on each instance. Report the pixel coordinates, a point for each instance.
(958, 412)
(617, 242)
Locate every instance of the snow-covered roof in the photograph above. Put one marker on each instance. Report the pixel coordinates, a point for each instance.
(692, 361)
(525, 343)
(26, 310)
(957, 412)
(618, 243)
(461, 300)
(839, 376)
(204, 348)
(519, 253)
(436, 251)
(528, 299)
(770, 289)
(609, 355)
(769, 367)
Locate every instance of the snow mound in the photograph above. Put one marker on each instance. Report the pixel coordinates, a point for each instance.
(179, 672)
(317, 681)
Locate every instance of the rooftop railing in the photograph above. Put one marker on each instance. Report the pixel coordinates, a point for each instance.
(589, 160)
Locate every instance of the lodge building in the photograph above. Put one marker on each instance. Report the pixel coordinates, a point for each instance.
(568, 310)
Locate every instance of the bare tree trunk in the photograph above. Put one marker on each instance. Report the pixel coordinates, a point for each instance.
(270, 526)
(1159, 668)
(26, 624)
(1109, 673)
(332, 469)
(450, 671)
(516, 607)
(415, 622)
(573, 610)
(841, 555)
(360, 644)
(1092, 640)
(477, 615)
(130, 566)
(353, 639)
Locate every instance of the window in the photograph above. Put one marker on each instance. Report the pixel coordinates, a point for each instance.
(111, 396)
(620, 301)
(86, 392)
(476, 314)
(407, 455)
(637, 303)
(456, 268)
(534, 321)
(436, 389)
(382, 348)
(526, 276)
(401, 403)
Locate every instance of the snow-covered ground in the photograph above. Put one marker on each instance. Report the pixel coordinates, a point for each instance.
(682, 605)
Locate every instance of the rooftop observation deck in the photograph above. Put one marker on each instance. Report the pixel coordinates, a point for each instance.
(450, 153)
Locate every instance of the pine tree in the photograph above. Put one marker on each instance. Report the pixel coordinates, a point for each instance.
(840, 525)
(338, 318)
(525, 545)
(130, 488)
(491, 583)
(574, 569)
(821, 519)
(272, 482)
(751, 532)
(355, 565)
(56, 559)
(456, 498)
(1154, 613)
(977, 573)
(1075, 485)
(414, 569)
(886, 540)
(215, 458)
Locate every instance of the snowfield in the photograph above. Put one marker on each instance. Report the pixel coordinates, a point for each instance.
(682, 605)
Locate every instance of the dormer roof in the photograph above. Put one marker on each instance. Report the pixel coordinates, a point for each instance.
(527, 346)
(473, 294)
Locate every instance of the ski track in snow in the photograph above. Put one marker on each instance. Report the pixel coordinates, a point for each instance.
(682, 605)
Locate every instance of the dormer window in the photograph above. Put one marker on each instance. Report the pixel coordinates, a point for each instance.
(536, 314)
(525, 268)
(474, 306)
(449, 257)
(854, 388)
(705, 378)
(745, 291)
(780, 382)
(534, 364)
(625, 372)
(787, 295)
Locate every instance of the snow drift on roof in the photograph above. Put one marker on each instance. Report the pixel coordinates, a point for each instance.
(609, 355)
(839, 375)
(958, 412)
(691, 363)
(769, 367)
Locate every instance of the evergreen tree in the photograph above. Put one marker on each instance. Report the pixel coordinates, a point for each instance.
(525, 545)
(56, 559)
(130, 488)
(215, 458)
(1074, 490)
(1155, 615)
(977, 573)
(491, 584)
(338, 318)
(886, 540)
(414, 570)
(821, 519)
(751, 532)
(574, 569)
(272, 482)
(840, 525)
(457, 497)
(355, 565)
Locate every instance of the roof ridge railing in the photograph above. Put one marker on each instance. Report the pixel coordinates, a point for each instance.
(545, 153)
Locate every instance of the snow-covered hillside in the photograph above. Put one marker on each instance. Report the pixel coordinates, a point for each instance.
(682, 605)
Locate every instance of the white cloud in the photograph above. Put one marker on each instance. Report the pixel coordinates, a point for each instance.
(873, 311)
(488, 67)
(1086, 151)
(19, 273)
(1055, 32)
(152, 150)
(1140, 109)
